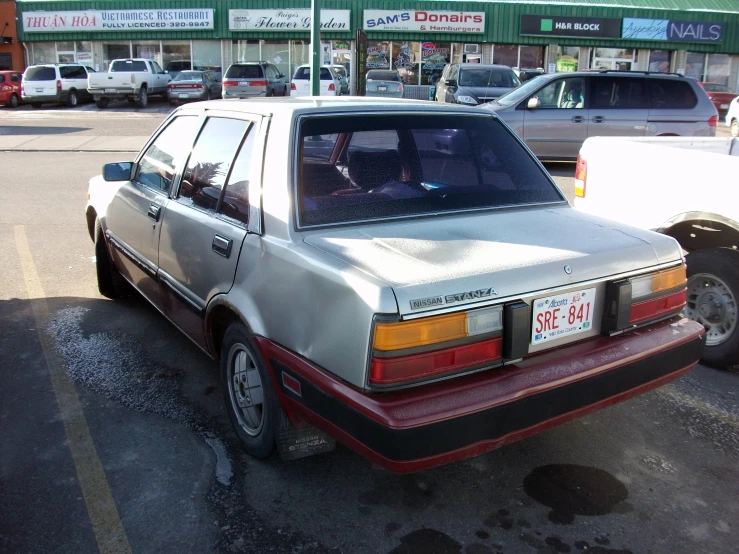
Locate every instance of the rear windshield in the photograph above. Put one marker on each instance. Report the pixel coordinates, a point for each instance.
(487, 77)
(40, 74)
(304, 73)
(714, 87)
(406, 165)
(128, 65)
(244, 72)
(197, 77)
(340, 70)
(383, 76)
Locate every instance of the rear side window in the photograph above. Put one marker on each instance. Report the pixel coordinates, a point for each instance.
(210, 161)
(383, 76)
(671, 94)
(405, 165)
(73, 72)
(128, 65)
(40, 74)
(619, 93)
(244, 72)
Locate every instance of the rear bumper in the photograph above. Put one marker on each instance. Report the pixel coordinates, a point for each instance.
(423, 427)
(123, 93)
(43, 98)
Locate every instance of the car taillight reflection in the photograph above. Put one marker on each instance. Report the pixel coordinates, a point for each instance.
(713, 121)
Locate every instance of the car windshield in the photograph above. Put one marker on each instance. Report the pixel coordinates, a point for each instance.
(189, 76)
(513, 96)
(128, 65)
(487, 77)
(713, 87)
(383, 76)
(40, 74)
(244, 72)
(358, 168)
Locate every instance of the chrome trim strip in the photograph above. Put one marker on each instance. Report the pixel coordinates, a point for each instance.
(139, 261)
(196, 305)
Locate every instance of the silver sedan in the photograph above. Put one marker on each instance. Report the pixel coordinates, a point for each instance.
(193, 85)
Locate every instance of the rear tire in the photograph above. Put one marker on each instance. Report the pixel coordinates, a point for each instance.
(713, 301)
(13, 102)
(111, 283)
(734, 128)
(143, 98)
(102, 103)
(72, 99)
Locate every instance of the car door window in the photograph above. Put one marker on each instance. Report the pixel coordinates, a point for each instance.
(156, 68)
(236, 197)
(619, 93)
(562, 93)
(210, 162)
(72, 72)
(15, 77)
(158, 165)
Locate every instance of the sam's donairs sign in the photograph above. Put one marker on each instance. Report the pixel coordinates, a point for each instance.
(421, 20)
(117, 20)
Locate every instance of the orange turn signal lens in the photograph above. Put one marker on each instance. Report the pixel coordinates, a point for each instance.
(422, 332)
(669, 279)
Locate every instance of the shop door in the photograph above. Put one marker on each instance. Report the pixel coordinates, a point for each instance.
(612, 64)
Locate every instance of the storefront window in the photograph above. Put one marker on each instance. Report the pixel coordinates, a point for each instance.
(245, 51)
(341, 52)
(206, 54)
(531, 57)
(717, 70)
(299, 54)
(44, 52)
(457, 52)
(378, 55)
(505, 54)
(567, 58)
(65, 51)
(406, 60)
(147, 49)
(278, 53)
(694, 65)
(659, 61)
(114, 50)
(620, 59)
(434, 57)
(176, 53)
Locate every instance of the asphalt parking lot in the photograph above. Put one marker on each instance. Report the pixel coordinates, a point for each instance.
(115, 438)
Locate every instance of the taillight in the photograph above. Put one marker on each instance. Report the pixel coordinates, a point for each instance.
(230, 83)
(198, 86)
(400, 87)
(258, 83)
(58, 86)
(332, 87)
(22, 90)
(170, 86)
(419, 349)
(581, 176)
(293, 87)
(712, 121)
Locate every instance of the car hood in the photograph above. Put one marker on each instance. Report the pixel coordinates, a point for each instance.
(488, 93)
(515, 252)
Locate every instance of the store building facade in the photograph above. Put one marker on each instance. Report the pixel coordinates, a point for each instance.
(416, 38)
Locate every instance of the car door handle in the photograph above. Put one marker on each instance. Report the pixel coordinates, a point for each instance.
(599, 119)
(154, 212)
(222, 245)
(578, 119)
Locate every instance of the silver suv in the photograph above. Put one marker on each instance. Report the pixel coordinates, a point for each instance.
(555, 113)
(250, 79)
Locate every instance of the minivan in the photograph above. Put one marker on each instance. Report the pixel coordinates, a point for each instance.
(57, 83)
(253, 79)
(555, 113)
(300, 85)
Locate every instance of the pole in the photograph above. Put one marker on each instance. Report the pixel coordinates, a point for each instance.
(315, 43)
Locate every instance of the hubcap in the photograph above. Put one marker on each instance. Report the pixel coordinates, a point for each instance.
(711, 303)
(245, 390)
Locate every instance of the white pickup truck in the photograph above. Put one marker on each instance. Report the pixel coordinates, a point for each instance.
(133, 79)
(687, 188)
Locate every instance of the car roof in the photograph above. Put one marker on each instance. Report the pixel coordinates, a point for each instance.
(615, 73)
(485, 65)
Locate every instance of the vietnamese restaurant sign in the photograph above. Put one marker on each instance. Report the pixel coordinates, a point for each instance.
(422, 20)
(117, 20)
(286, 20)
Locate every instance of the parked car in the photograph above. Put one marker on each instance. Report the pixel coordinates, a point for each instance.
(174, 67)
(252, 79)
(10, 88)
(732, 117)
(420, 310)
(130, 79)
(720, 95)
(55, 83)
(473, 83)
(193, 85)
(300, 84)
(341, 73)
(555, 113)
(386, 83)
(684, 188)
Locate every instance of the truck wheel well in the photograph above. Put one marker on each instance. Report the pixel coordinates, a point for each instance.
(91, 216)
(220, 319)
(703, 234)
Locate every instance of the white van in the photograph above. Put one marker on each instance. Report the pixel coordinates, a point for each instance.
(57, 83)
(300, 85)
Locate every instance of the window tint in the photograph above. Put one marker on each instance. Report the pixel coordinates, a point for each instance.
(402, 165)
(40, 74)
(487, 77)
(244, 72)
(562, 93)
(383, 76)
(73, 72)
(671, 94)
(128, 65)
(236, 198)
(210, 161)
(159, 163)
(619, 93)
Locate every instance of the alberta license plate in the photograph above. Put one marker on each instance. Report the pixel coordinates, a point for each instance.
(184, 95)
(562, 315)
(110, 90)
(724, 106)
(382, 89)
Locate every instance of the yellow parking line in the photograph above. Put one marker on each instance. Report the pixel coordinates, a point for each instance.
(109, 532)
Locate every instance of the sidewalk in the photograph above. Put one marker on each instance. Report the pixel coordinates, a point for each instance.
(74, 143)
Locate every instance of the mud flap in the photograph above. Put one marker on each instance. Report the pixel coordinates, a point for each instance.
(294, 443)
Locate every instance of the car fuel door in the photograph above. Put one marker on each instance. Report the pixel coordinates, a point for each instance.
(205, 224)
(134, 216)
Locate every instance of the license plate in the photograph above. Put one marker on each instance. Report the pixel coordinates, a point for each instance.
(244, 84)
(39, 90)
(562, 315)
(184, 95)
(382, 89)
(724, 106)
(111, 90)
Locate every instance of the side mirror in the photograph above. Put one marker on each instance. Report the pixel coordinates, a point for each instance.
(118, 171)
(533, 103)
(450, 82)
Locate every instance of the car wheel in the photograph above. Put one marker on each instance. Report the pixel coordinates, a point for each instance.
(713, 301)
(734, 128)
(13, 102)
(102, 103)
(251, 401)
(143, 99)
(173, 102)
(72, 99)
(36, 105)
(111, 283)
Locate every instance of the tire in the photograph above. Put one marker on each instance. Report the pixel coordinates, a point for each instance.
(143, 98)
(713, 301)
(13, 102)
(72, 99)
(111, 283)
(36, 105)
(173, 102)
(102, 103)
(734, 128)
(254, 424)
